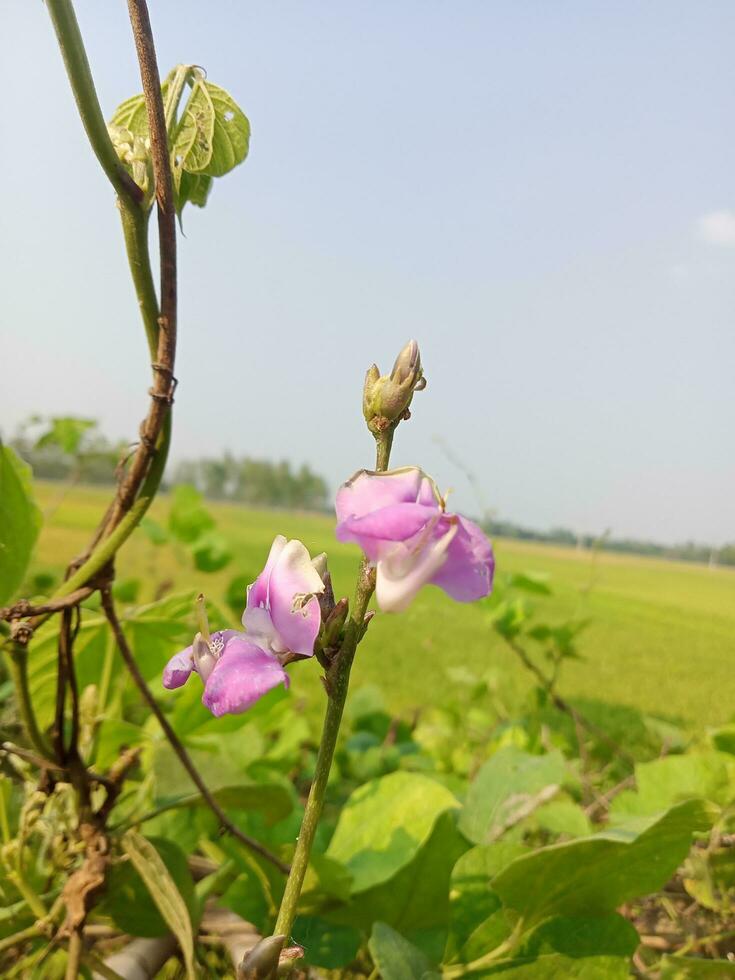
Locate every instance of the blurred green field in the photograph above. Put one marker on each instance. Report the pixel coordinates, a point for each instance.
(662, 637)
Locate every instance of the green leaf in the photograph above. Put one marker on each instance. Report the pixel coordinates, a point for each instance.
(554, 966)
(395, 957)
(188, 518)
(384, 823)
(211, 552)
(132, 114)
(694, 968)
(535, 582)
(581, 936)
(416, 898)
(66, 433)
(663, 782)
(20, 521)
(507, 788)
(231, 139)
(473, 903)
(594, 875)
(327, 945)
(128, 901)
(155, 533)
(162, 888)
(193, 189)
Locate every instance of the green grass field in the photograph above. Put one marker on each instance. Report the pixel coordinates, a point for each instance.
(662, 637)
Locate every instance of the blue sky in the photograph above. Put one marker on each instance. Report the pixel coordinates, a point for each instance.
(540, 193)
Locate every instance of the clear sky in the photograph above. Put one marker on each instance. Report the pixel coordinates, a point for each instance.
(542, 193)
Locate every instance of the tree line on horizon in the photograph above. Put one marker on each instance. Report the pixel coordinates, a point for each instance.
(73, 450)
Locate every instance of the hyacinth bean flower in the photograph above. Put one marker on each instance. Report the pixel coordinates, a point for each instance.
(282, 620)
(235, 672)
(282, 613)
(400, 521)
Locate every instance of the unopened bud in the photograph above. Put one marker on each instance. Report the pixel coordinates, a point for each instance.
(262, 960)
(335, 622)
(386, 399)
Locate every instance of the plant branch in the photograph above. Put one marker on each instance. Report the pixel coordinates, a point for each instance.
(337, 685)
(18, 664)
(82, 85)
(174, 741)
(24, 609)
(577, 717)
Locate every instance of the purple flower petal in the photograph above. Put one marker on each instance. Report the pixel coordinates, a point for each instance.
(396, 522)
(467, 574)
(296, 619)
(258, 591)
(177, 670)
(367, 491)
(242, 675)
(408, 567)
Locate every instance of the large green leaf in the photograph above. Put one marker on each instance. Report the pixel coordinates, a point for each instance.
(508, 787)
(20, 521)
(416, 899)
(164, 892)
(384, 823)
(594, 875)
(473, 902)
(396, 958)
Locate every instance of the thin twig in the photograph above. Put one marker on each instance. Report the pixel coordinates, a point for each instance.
(174, 741)
(577, 717)
(24, 608)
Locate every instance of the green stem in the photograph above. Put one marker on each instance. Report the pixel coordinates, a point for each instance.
(135, 230)
(107, 548)
(18, 664)
(384, 443)
(85, 95)
(34, 902)
(338, 681)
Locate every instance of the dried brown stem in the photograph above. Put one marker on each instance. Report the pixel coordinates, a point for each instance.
(24, 608)
(163, 370)
(174, 741)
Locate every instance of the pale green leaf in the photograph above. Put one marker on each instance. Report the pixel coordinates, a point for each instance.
(395, 957)
(163, 891)
(384, 823)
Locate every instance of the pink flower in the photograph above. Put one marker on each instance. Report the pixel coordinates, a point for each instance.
(282, 614)
(282, 619)
(235, 671)
(399, 520)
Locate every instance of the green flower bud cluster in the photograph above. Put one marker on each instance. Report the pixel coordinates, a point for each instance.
(135, 153)
(386, 399)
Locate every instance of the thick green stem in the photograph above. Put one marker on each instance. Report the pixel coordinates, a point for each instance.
(85, 95)
(18, 664)
(338, 681)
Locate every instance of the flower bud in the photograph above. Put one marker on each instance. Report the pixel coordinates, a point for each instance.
(334, 623)
(386, 399)
(262, 960)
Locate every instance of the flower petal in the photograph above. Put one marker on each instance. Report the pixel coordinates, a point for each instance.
(467, 574)
(367, 491)
(242, 675)
(177, 670)
(396, 522)
(257, 594)
(293, 578)
(405, 570)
